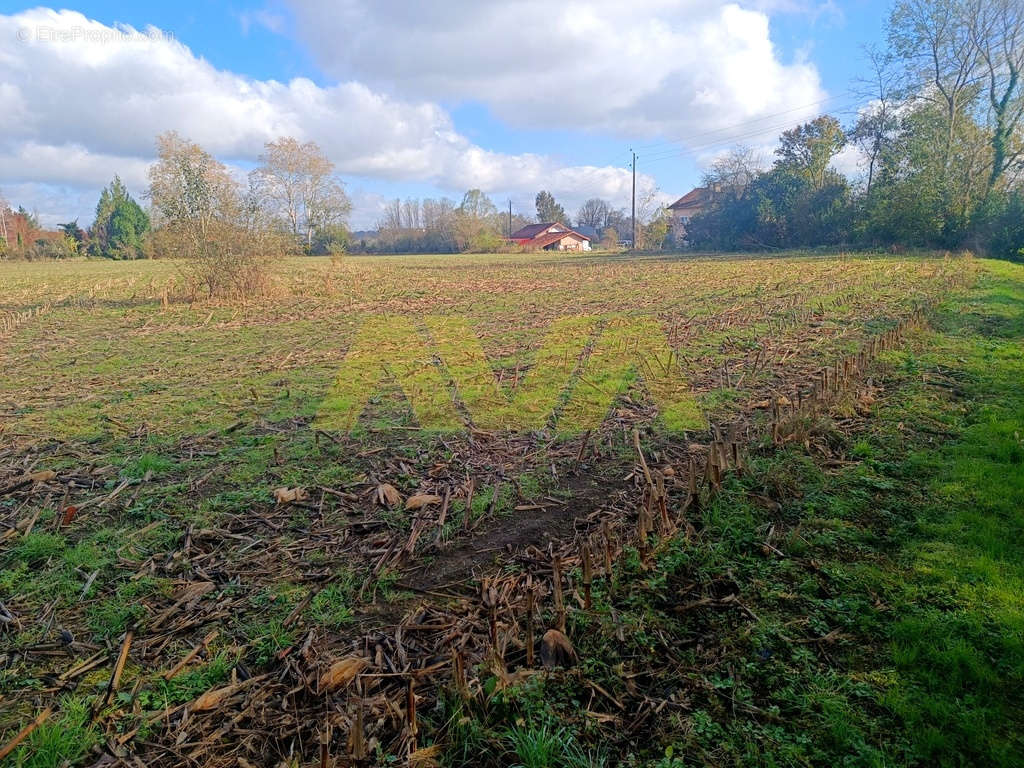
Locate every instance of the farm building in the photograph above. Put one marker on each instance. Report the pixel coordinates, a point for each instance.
(550, 236)
(686, 207)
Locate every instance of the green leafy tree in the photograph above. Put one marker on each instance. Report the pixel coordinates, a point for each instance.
(72, 230)
(549, 210)
(121, 223)
(477, 223)
(808, 149)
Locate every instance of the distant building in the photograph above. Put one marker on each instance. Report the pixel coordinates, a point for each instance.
(686, 207)
(550, 236)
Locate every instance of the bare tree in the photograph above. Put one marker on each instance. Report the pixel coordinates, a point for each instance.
(4, 207)
(593, 213)
(299, 182)
(878, 122)
(731, 174)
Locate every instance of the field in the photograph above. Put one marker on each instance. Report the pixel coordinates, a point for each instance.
(769, 506)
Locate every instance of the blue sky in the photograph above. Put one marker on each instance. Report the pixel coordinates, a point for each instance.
(424, 102)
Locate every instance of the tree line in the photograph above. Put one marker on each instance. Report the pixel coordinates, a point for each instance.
(941, 136)
(476, 224)
(195, 201)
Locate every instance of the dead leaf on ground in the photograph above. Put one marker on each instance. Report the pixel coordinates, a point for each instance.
(289, 495)
(422, 500)
(427, 757)
(388, 495)
(556, 650)
(213, 699)
(342, 672)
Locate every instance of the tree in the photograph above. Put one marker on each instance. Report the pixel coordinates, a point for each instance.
(72, 230)
(120, 225)
(593, 213)
(997, 32)
(878, 122)
(477, 223)
(31, 219)
(934, 43)
(203, 215)
(808, 149)
(548, 210)
(732, 174)
(5, 215)
(298, 182)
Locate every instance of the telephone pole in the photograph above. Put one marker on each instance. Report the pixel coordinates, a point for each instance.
(510, 219)
(632, 244)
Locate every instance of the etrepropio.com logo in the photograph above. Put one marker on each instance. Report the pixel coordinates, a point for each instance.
(93, 35)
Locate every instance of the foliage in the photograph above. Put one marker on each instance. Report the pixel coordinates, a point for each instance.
(120, 225)
(224, 234)
(297, 185)
(548, 210)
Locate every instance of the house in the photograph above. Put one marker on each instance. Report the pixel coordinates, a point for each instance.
(686, 207)
(550, 236)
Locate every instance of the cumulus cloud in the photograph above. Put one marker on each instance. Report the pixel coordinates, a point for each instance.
(643, 68)
(85, 100)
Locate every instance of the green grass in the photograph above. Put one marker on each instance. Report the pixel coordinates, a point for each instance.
(64, 739)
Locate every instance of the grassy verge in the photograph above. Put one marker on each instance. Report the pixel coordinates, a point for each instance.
(859, 605)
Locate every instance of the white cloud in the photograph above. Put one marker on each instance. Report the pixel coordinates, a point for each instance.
(84, 101)
(643, 68)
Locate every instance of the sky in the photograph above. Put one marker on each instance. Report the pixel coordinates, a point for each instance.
(420, 99)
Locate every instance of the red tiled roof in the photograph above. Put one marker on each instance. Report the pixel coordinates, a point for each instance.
(692, 199)
(551, 237)
(533, 231)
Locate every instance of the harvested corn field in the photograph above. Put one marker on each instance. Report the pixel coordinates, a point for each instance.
(409, 509)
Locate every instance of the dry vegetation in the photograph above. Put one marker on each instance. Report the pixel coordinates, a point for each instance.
(194, 575)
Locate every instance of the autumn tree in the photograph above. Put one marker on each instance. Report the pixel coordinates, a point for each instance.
(297, 181)
(204, 216)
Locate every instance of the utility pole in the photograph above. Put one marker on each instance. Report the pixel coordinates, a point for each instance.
(632, 244)
(509, 219)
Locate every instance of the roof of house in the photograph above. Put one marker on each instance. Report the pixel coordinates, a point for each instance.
(692, 199)
(587, 231)
(531, 231)
(551, 237)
